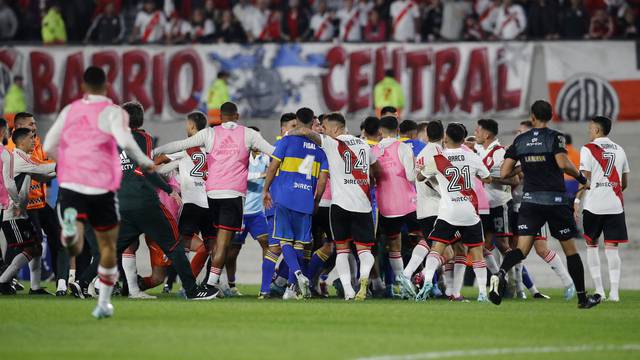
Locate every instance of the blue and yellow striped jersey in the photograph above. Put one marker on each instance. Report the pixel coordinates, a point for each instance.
(301, 162)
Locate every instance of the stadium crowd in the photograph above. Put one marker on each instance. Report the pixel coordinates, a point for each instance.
(250, 21)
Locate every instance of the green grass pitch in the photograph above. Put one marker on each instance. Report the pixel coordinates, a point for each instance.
(247, 328)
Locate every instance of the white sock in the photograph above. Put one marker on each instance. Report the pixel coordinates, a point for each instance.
(518, 273)
(615, 267)
(417, 257)
(131, 272)
(395, 260)
(480, 269)
(448, 277)
(533, 289)
(593, 261)
(35, 270)
(366, 263)
(62, 285)
(556, 265)
(16, 264)
(353, 269)
(344, 270)
(490, 260)
(434, 261)
(107, 277)
(458, 275)
(72, 275)
(214, 276)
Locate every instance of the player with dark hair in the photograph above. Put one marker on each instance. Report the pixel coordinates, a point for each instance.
(227, 146)
(542, 154)
(371, 130)
(23, 245)
(408, 131)
(605, 164)
(389, 111)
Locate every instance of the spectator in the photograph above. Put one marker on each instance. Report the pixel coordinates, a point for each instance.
(487, 11)
(210, 11)
(177, 30)
(229, 30)
(628, 25)
(53, 30)
(376, 29)
(14, 100)
(351, 17)
(247, 14)
(453, 14)
(404, 20)
(295, 22)
(149, 25)
(272, 30)
(543, 20)
(202, 29)
(601, 26)
(472, 30)
(8, 22)
(510, 21)
(575, 21)
(322, 28)
(432, 21)
(383, 9)
(107, 28)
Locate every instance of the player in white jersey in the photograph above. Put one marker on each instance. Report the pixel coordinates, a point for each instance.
(455, 170)
(350, 164)
(605, 164)
(404, 20)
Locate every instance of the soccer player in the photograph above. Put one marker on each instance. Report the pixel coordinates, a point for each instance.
(5, 160)
(396, 194)
(541, 151)
(605, 164)
(16, 225)
(85, 139)
(302, 174)
(409, 135)
(142, 211)
(227, 146)
(350, 164)
(254, 221)
(454, 169)
(422, 132)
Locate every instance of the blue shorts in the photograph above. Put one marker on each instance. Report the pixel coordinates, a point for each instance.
(254, 224)
(291, 225)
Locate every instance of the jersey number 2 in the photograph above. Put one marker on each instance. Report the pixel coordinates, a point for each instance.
(198, 161)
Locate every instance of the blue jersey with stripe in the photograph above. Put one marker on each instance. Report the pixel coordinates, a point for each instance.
(416, 145)
(301, 162)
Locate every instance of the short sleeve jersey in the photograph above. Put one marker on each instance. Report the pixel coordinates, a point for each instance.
(301, 162)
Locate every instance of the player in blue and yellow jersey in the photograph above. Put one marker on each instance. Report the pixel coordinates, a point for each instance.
(298, 175)
(409, 135)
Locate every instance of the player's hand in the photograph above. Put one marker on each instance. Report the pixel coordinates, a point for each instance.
(266, 200)
(587, 185)
(175, 196)
(161, 159)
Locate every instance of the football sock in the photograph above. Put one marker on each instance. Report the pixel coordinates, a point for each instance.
(518, 274)
(556, 264)
(593, 261)
(459, 268)
(283, 271)
(299, 249)
(268, 268)
(291, 258)
(574, 264)
(433, 262)
(395, 260)
(490, 260)
(130, 272)
(510, 260)
(389, 276)
(448, 278)
(353, 267)
(35, 270)
(417, 257)
(214, 276)
(480, 269)
(366, 262)
(16, 264)
(615, 266)
(199, 259)
(527, 280)
(344, 270)
(315, 265)
(72, 275)
(107, 278)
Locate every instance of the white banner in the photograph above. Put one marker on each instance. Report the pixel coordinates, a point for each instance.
(460, 81)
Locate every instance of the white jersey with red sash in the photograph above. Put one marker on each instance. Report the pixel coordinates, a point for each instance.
(493, 157)
(349, 160)
(151, 26)
(192, 168)
(510, 22)
(606, 161)
(403, 15)
(350, 23)
(322, 27)
(455, 169)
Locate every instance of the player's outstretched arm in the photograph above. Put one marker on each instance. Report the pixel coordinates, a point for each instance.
(308, 133)
(508, 169)
(197, 140)
(568, 168)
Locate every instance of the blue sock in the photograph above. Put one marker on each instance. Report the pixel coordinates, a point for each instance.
(389, 275)
(435, 278)
(291, 258)
(317, 261)
(268, 268)
(301, 261)
(283, 270)
(526, 279)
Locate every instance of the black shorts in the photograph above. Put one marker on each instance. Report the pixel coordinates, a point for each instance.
(613, 226)
(101, 211)
(497, 221)
(444, 232)
(426, 225)
(532, 218)
(226, 214)
(321, 226)
(19, 233)
(392, 226)
(348, 225)
(195, 219)
(513, 223)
